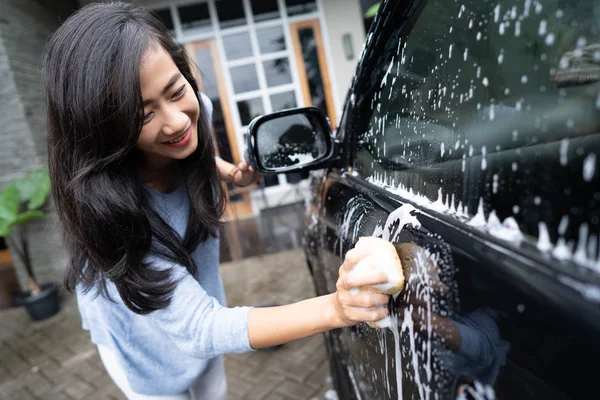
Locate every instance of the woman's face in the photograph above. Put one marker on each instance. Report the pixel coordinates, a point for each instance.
(171, 110)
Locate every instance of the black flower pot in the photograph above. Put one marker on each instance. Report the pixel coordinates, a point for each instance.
(44, 305)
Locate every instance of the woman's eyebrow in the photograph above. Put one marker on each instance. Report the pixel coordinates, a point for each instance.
(171, 82)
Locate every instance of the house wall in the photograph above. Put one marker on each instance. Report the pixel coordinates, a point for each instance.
(342, 17)
(24, 28)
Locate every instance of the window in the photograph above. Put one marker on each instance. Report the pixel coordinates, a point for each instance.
(297, 7)
(244, 78)
(270, 39)
(165, 16)
(277, 72)
(230, 13)
(264, 10)
(250, 109)
(237, 46)
(282, 101)
(195, 18)
(490, 109)
(308, 44)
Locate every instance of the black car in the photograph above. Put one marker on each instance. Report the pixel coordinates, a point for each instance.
(470, 139)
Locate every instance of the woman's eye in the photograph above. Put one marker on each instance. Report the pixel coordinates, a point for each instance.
(147, 117)
(179, 92)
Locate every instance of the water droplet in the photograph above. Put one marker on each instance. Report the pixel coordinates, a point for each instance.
(514, 166)
(485, 82)
(521, 308)
(450, 51)
(589, 167)
(564, 151)
(563, 225)
(470, 24)
(542, 29)
(478, 37)
(515, 209)
(537, 200)
(483, 159)
(524, 79)
(466, 53)
(550, 39)
(500, 58)
(517, 28)
(497, 13)
(451, 28)
(581, 42)
(559, 14)
(506, 91)
(500, 29)
(495, 184)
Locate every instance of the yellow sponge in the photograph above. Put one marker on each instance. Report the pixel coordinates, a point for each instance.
(383, 258)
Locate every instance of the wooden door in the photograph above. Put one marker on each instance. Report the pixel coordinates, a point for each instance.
(312, 66)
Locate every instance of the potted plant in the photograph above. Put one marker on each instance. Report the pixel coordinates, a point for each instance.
(20, 203)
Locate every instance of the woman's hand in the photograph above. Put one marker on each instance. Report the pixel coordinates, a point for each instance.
(352, 305)
(243, 175)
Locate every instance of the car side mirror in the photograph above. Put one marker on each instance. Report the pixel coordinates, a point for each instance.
(291, 140)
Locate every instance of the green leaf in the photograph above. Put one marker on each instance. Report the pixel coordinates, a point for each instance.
(9, 203)
(6, 227)
(26, 188)
(29, 216)
(41, 184)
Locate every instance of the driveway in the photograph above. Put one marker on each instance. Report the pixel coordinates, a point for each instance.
(54, 359)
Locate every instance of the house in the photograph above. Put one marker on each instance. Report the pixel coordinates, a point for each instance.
(254, 56)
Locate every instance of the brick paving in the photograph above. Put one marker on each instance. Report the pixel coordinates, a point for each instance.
(55, 360)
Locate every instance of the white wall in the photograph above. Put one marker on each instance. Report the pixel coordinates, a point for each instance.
(341, 17)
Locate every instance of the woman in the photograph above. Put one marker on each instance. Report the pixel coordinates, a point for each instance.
(137, 190)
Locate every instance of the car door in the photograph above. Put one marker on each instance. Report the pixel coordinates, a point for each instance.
(471, 138)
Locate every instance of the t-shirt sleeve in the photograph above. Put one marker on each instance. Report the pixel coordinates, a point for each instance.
(196, 322)
(208, 106)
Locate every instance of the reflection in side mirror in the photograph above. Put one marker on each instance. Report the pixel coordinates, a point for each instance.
(290, 140)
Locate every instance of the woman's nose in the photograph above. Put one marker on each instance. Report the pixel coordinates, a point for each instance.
(175, 122)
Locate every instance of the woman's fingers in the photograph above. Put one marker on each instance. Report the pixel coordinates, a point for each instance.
(354, 256)
(368, 300)
(370, 314)
(357, 279)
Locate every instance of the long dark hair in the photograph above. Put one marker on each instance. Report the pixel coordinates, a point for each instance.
(91, 71)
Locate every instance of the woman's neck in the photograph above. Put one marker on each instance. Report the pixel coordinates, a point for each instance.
(164, 176)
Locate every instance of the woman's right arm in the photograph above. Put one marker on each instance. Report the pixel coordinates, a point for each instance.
(272, 326)
(200, 327)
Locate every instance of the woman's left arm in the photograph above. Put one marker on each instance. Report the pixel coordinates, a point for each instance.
(240, 175)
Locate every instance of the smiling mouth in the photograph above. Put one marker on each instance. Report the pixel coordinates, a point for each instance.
(179, 138)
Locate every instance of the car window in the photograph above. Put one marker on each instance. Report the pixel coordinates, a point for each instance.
(489, 112)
